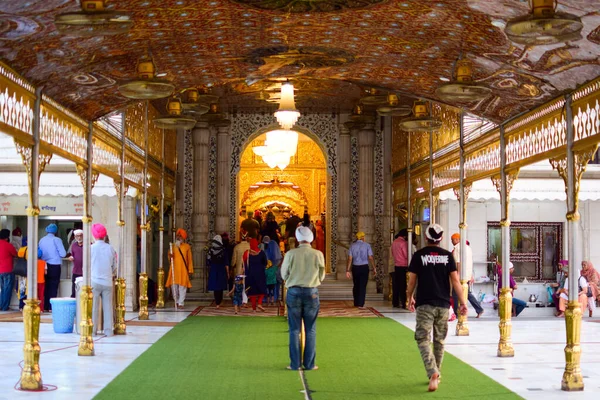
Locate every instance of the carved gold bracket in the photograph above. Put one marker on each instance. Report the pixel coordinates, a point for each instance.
(510, 181)
(26, 153)
(581, 159)
(120, 199)
(467, 189)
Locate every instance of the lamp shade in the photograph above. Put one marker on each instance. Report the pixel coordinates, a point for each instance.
(287, 115)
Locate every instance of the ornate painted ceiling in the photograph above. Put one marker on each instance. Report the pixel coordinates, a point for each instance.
(333, 50)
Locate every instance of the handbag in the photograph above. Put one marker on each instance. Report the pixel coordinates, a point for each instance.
(20, 265)
(589, 288)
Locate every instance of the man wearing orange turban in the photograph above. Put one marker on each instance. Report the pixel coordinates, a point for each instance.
(182, 267)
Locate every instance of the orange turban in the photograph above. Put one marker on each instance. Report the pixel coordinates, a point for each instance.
(181, 233)
(455, 236)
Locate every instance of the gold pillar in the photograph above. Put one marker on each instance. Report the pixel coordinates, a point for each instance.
(143, 313)
(120, 327)
(572, 379)
(86, 326)
(462, 326)
(31, 377)
(505, 346)
(160, 302)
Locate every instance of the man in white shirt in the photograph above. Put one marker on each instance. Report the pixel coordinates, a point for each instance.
(104, 268)
(455, 238)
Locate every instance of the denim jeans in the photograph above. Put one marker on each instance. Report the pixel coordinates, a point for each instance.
(520, 305)
(303, 305)
(7, 285)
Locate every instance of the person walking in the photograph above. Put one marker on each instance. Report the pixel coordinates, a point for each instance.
(7, 278)
(41, 272)
(434, 270)
(303, 270)
(104, 270)
(360, 255)
(53, 251)
(273, 252)
(455, 238)
(182, 268)
(219, 269)
(255, 264)
(75, 254)
(400, 256)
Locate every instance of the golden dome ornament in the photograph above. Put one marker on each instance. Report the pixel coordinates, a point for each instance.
(93, 20)
(544, 25)
(174, 119)
(463, 89)
(146, 86)
(421, 120)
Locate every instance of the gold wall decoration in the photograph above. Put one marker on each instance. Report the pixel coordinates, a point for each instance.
(307, 170)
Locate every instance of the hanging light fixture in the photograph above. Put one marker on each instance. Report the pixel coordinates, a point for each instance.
(392, 108)
(174, 119)
(287, 115)
(463, 89)
(544, 25)
(279, 147)
(421, 121)
(147, 86)
(93, 20)
(192, 105)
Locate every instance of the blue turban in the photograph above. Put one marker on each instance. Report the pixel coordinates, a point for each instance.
(52, 228)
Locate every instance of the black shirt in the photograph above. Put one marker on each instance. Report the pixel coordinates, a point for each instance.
(433, 266)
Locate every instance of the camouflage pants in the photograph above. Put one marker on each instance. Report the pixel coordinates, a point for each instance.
(431, 318)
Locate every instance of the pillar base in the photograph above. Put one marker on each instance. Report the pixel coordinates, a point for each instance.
(462, 327)
(143, 312)
(160, 302)
(86, 326)
(505, 346)
(120, 328)
(31, 377)
(572, 380)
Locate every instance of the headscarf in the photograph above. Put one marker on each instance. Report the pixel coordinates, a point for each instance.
(590, 273)
(17, 231)
(455, 236)
(360, 235)
(254, 245)
(273, 252)
(52, 228)
(181, 233)
(216, 247)
(98, 231)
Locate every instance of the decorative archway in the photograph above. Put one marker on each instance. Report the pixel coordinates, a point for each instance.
(323, 129)
(257, 196)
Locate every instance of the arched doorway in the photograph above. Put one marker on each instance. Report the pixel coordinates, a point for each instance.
(301, 186)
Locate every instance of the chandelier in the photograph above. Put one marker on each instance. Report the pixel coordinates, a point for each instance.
(287, 115)
(279, 147)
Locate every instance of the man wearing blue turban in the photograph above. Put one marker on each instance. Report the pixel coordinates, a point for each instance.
(53, 251)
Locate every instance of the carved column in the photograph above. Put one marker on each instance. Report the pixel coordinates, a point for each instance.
(366, 187)
(144, 228)
(120, 327)
(571, 168)
(431, 200)
(223, 178)
(160, 301)
(201, 138)
(344, 218)
(388, 228)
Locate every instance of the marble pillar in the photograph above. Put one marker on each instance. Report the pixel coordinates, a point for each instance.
(223, 179)
(201, 138)
(344, 222)
(366, 187)
(388, 204)
(130, 253)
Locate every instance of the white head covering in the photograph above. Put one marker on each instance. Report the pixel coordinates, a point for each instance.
(304, 234)
(77, 232)
(434, 233)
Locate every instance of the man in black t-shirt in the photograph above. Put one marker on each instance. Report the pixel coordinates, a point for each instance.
(434, 269)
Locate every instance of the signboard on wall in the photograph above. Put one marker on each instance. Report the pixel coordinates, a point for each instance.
(49, 205)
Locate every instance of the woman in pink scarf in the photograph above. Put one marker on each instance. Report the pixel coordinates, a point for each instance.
(593, 278)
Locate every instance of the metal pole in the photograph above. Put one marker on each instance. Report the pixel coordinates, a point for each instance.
(160, 303)
(572, 378)
(431, 205)
(462, 327)
(120, 284)
(31, 376)
(409, 221)
(86, 343)
(505, 346)
(143, 312)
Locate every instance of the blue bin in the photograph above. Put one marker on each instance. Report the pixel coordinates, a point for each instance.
(63, 314)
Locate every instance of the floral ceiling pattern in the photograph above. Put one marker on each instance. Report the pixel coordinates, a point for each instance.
(335, 49)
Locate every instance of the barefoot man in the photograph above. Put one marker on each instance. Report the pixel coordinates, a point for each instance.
(434, 269)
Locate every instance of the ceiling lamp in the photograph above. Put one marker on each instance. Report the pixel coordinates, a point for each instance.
(215, 117)
(192, 105)
(287, 115)
(279, 146)
(174, 119)
(392, 108)
(421, 121)
(93, 20)
(146, 87)
(463, 89)
(543, 25)
(374, 98)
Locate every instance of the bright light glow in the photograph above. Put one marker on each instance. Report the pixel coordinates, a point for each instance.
(287, 115)
(279, 147)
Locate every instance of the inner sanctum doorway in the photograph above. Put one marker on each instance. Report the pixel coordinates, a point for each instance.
(301, 187)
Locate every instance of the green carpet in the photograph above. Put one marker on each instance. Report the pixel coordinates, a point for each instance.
(244, 358)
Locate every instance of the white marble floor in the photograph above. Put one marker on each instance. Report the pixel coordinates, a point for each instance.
(536, 370)
(77, 377)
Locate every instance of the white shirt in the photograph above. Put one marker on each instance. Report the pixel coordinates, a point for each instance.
(104, 264)
(468, 259)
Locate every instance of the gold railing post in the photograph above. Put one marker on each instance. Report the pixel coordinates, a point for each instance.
(86, 326)
(505, 346)
(120, 327)
(31, 377)
(143, 313)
